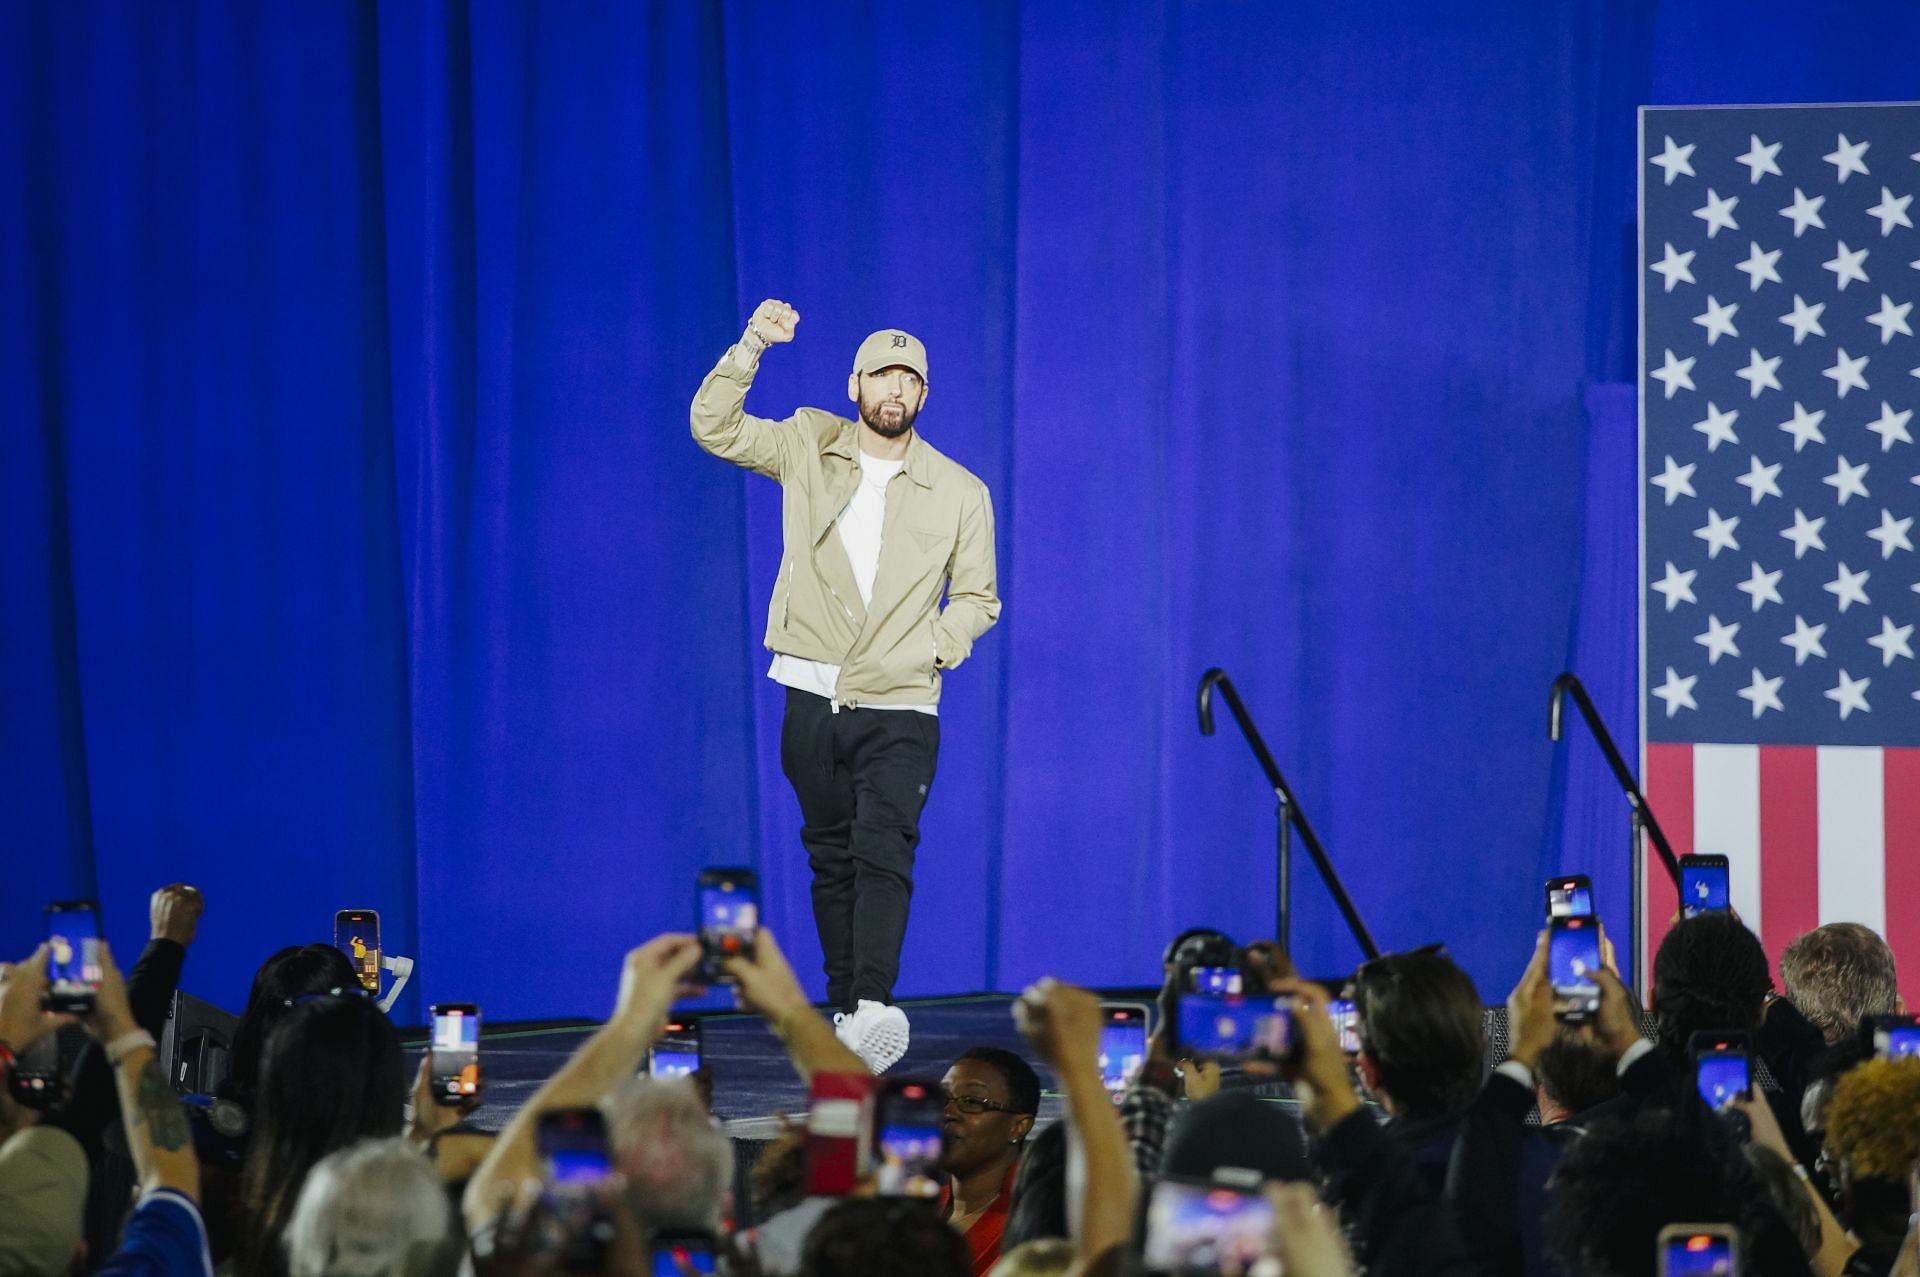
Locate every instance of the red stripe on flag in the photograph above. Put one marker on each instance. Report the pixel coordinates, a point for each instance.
(1670, 794)
(1903, 865)
(1789, 844)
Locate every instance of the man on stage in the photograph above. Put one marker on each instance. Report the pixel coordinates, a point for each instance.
(876, 525)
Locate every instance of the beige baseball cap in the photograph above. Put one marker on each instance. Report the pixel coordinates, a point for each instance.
(891, 348)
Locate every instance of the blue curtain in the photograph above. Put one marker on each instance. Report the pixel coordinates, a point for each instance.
(357, 554)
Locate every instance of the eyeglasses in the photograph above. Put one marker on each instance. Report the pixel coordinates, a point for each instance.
(974, 1105)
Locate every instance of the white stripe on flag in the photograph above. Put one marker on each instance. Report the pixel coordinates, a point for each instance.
(1726, 819)
(1853, 835)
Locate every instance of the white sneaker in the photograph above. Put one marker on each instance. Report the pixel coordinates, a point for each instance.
(875, 1032)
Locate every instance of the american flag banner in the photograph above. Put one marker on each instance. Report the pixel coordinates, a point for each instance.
(1779, 381)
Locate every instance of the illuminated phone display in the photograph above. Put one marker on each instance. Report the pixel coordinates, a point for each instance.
(74, 969)
(356, 933)
(1234, 1028)
(456, 1052)
(1123, 1045)
(1703, 885)
(1723, 1077)
(677, 1053)
(1205, 1228)
(1573, 962)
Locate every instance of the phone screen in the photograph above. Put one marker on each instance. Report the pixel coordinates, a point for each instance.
(1895, 1038)
(1123, 1045)
(1216, 980)
(1573, 958)
(1229, 1028)
(1703, 886)
(456, 1052)
(1724, 1076)
(1205, 1228)
(1346, 1022)
(676, 1255)
(1569, 898)
(907, 1139)
(1697, 1255)
(677, 1053)
(74, 969)
(573, 1144)
(729, 915)
(356, 933)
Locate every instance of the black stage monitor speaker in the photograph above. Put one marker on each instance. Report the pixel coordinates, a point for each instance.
(196, 1044)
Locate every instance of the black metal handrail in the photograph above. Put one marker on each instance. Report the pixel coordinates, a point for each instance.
(1289, 812)
(1642, 811)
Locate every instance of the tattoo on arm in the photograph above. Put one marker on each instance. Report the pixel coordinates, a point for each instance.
(160, 1109)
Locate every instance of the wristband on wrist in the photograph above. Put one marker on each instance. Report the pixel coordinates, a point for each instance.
(753, 341)
(127, 1043)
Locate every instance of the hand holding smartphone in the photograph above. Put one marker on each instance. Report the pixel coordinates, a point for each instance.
(1123, 1044)
(1723, 1068)
(1195, 1226)
(74, 968)
(908, 1141)
(577, 1165)
(1698, 1250)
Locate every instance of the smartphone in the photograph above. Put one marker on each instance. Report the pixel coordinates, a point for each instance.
(576, 1164)
(356, 933)
(1200, 1227)
(453, 1063)
(1723, 1068)
(907, 1140)
(677, 1253)
(1234, 1028)
(839, 1132)
(74, 969)
(729, 918)
(1895, 1036)
(1215, 980)
(1573, 958)
(677, 1052)
(1698, 1250)
(1569, 897)
(1703, 885)
(1346, 1022)
(1123, 1044)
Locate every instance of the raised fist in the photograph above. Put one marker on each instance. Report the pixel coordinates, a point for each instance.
(773, 321)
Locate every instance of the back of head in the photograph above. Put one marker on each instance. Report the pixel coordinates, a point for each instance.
(884, 1237)
(1421, 1023)
(1046, 1257)
(1235, 1130)
(1574, 1073)
(1023, 1084)
(678, 1165)
(1621, 1183)
(375, 1209)
(1838, 975)
(1037, 1209)
(1710, 973)
(290, 974)
(330, 1076)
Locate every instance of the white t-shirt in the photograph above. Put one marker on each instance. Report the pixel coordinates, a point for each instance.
(859, 526)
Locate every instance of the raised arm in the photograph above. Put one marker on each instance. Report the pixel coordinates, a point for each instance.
(973, 600)
(648, 981)
(768, 987)
(721, 424)
(159, 1138)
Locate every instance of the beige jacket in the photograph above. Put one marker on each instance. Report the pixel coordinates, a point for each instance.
(937, 538)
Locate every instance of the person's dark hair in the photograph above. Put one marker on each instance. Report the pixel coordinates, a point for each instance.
(1575, 1073)
(331, 1074)
(1038, 1205)
(779, 1179)
(1023, 1084)
(1710, 973)
(293, 971)
(1621, 1183)
(1422, 1024)
(883, 1237)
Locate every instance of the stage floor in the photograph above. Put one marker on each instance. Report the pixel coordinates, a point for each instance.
(753, 1082)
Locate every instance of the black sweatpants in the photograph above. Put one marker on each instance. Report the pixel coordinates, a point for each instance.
(861, 776)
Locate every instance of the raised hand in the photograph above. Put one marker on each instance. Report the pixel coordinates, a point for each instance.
(174, 912)
(773, 322)
(22, 986)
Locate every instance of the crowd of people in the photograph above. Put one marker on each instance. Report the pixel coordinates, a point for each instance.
(1392, 1149)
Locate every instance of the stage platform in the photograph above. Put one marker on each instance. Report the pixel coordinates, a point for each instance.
(753, 1082)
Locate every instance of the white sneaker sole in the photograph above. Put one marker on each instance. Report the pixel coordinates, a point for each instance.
(884, 1041)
